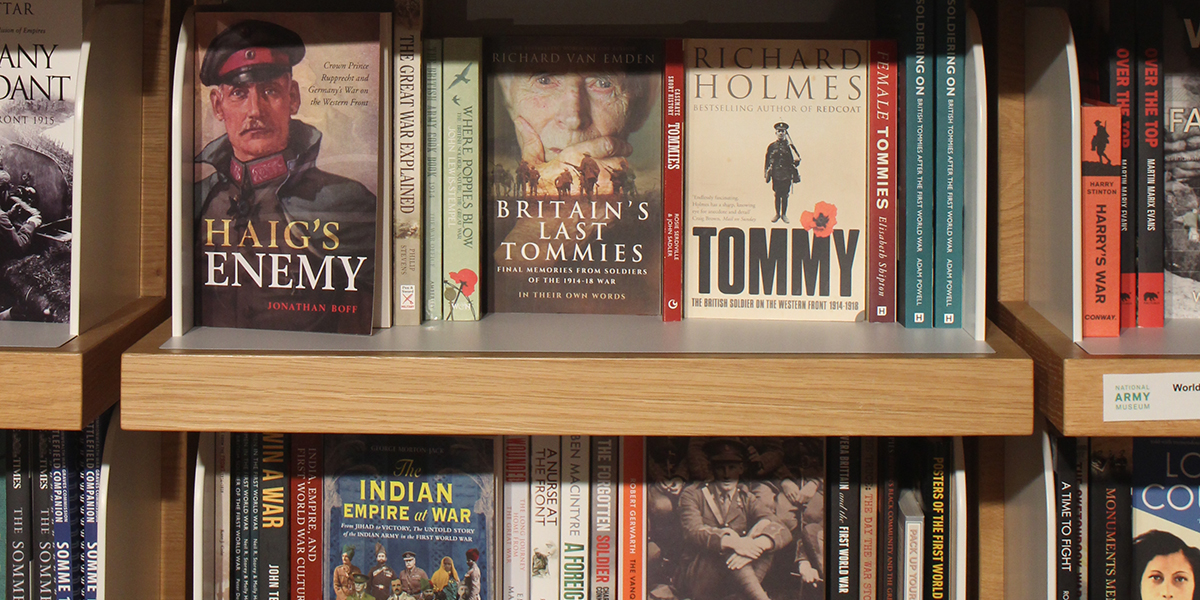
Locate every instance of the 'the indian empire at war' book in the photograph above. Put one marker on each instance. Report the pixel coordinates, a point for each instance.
(410, 515)
(39, 61)
(288, 169)
(575, 176)
(776, 179)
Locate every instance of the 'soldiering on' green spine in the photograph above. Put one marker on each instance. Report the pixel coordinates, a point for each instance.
(916, 308)
(948, 185)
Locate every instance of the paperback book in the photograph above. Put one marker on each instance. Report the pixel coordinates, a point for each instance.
(1166, 533)
(1181, 148)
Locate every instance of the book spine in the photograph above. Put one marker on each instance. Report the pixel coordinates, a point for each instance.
(1149, 165)
(64, 508)
(19, 500)
(948, 171)
(633, 478)
(917, 40)
(1081, 516)
(605, 452)
(1111, 521)
(274, 541)
(408, 168)
(843, 509)
(461, 192)
(43, 531)
(223, 492)
(868, 519)
(89, 487)
(5, 476)
(889, 522)
(254, 518)
(433, 178)
(673, 123)
(516, 517)
(238, 572)
(912, 534)
(1122, 78)
(306, 486)
(1066, 557)
(882, 167)
(574, 528)
(545, 517)
(1101, 201)
(937, 516)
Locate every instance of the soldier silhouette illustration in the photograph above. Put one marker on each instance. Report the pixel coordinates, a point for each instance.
(780, 169)
(1100, 142)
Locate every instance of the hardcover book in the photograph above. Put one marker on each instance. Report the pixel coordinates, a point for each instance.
(756, 504)
(288, 169)
(1181, 146)
(949, 185)
(38, 74)
(1166, 517)
(1101, 191)
(415, 515)
(1122, 89)
(780, 237)
(575, 176)
(1109, 506)
(408, 166)
(1149, 172)
(842, 501)
(915, 300)
(516, 517)
(574, 531)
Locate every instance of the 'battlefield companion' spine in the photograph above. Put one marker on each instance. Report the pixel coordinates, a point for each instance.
(64, 470)
(408, 167)
(605, 532)
(884, 172)
(461, 128)
(516, 517)
(545, 517)
(19, 517)
(1123, 92)
(306, 482)
(434, 307)
(948, 164)
(274, 541)
(917, 39)
(673, 125)
(845, 466)
(575, 522)
(1101, 190)
(91, 447)
(1150, 165)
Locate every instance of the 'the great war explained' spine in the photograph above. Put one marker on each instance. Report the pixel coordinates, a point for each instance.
(461, 126)
(433, 179)
(605, 534)
(948, 165)
(1123, 86)
(407, 168)
(516, 517)
(917, 35)
(274, 541)
(307, 490)
(883, 171)
(545, 516)
(673, 124)
(1149, 165)
(575, 525)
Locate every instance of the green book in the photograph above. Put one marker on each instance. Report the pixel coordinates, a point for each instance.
(460, 192)
(949, 81)
(916, 38)
(433, 179)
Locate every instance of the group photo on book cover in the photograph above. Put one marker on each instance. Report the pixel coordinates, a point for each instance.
(287, 169)
(574, 175)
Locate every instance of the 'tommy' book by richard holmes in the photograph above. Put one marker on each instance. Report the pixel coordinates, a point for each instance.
(776, 179)
(414, 515)
(288, 173)
(1166, 516)
(1181, 153)
(38, 76)
(575, 175)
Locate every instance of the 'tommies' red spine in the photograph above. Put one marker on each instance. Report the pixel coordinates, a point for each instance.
(672, 262)
(881, 164)
(306, 490)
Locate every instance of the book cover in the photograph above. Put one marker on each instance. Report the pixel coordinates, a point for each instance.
(605, 529)
(19, 517)
(545, 516)
(306, 483)
(408, 165)
(43, 516)
(288, 173)
(574, 532)
(948, 164)
(884, 170)
(461, 179)
(1149, 172)
(1101, 203)
(1109, 508)
(576, 125)
(415, 515)
(1066, 495)
(889, 521)
(845, 468)
(778, 234)
(1122, 89)
(912, 538)
(1181, 145)
(916, 45)
(735, 517)
(38, 77)
(673, 161)
(868, 554)
(516, 517)
(1166, 517)
(274, 539)
(433, 178)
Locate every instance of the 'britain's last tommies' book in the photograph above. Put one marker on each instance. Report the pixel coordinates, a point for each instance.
(575, 175)
(410, 518)
(287, 169)
(39, 65)
(776, 179)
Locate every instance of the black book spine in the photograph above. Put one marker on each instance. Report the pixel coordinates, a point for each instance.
(935, 490)
(253, 523)
(845, 461)
(889, 522)
(1110, 516)
(274, 541)
(1122, 88)
(20, 517)
(1149, 171)
(43, 530)
(239, 514)
(1066, 493)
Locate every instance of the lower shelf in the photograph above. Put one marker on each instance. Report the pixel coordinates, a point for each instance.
(600, 393)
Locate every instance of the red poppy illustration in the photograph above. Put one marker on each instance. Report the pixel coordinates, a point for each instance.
(466, 280)
(821, 220)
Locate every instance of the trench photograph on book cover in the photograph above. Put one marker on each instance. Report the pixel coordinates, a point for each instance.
(736, 518)
(1181, 163)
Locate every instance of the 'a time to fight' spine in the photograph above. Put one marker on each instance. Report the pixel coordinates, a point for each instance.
(673, 124)
(883, 172)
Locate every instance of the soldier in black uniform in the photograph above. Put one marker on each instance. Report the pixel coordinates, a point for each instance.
(780, 169)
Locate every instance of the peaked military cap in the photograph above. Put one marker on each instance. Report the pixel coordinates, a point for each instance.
(781, 126)
(725, 450)
(251, 51)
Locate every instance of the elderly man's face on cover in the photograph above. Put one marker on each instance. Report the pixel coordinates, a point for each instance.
(562, 115)
(256, 114)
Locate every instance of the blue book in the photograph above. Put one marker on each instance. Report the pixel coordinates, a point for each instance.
(948, 186)
(64, 502)
(90, 452)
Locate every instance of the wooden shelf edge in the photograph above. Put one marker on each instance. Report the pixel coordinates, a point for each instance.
(69, 386)
(624, 394)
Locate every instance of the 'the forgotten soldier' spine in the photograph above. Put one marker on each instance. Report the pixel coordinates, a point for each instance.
(605, 535)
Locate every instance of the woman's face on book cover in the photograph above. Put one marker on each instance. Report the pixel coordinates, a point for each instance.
(561, 110)
(1168, 576)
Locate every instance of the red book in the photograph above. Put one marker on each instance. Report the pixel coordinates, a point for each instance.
(672, 262)
(633, 486)
(882, 169)
(306, 491)
(1101, 191)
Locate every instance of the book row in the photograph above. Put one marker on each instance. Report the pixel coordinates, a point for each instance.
(578, 517)
(351, 175)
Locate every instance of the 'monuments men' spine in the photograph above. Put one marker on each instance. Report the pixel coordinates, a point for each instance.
(273, 539)
(883, 171)
(673, 124)
(605, 532)
(19, 552)
(461, 167)
(545, 517)
(1110, 506)
(516, 517)
(948, 167)
(916, 300)
(575, 522)
(1149, 165)
(43, 510)
(306, 485)
(434, 303)
(407, 166)
(1122, 86)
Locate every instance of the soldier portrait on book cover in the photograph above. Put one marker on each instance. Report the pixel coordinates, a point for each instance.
(285, 194)
(780, 169)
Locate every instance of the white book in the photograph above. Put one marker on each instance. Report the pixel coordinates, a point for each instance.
(544, 517)
(516, 517)
(912, 535)
(222, 491)
(575, 523)
(408, 166)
